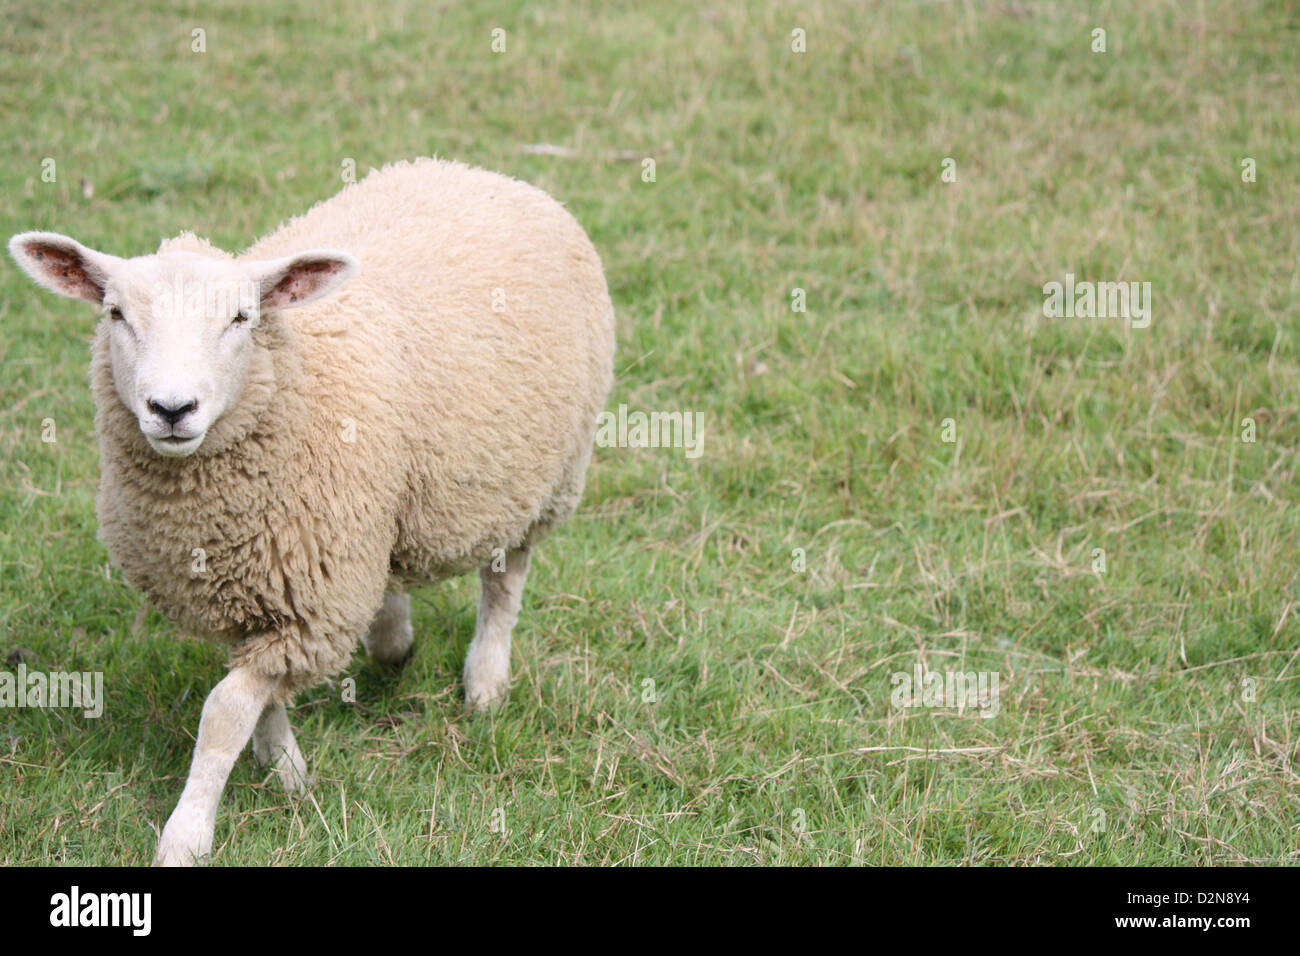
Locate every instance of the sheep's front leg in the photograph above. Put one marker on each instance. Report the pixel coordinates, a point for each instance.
(230, 713)
(487, 665)
(274, 744)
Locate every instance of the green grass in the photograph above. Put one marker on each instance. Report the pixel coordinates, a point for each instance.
(1148, 714)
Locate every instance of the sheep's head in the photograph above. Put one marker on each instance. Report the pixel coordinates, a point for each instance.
(180, 324)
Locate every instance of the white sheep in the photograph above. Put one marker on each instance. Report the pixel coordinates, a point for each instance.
(397, 387)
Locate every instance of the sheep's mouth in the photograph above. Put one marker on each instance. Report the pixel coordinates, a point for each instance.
(175, 446)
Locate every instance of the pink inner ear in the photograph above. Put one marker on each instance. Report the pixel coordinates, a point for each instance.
(65, 269)
(301, 281)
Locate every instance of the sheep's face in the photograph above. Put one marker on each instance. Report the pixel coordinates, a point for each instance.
(180, 324)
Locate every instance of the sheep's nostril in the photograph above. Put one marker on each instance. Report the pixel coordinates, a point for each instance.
(173, 413)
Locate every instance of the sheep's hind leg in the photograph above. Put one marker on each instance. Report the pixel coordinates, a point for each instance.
(390, 635)
(230, 713)
(487, 665)
(274, 744)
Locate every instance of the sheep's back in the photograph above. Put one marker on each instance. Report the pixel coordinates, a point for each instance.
(472, 352)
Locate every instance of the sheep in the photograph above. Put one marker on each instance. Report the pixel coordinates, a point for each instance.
(397, 387)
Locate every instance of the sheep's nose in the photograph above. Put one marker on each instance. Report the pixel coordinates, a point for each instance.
(173, 413)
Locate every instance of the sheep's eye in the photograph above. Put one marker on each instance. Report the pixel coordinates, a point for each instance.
(116, 314)
(240, 318)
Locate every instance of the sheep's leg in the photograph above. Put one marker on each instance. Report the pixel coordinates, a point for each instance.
(487, 665)
(274, 744)
(230, 713)
(390, 635)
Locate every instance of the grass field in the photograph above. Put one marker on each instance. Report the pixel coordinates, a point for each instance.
(828, 536)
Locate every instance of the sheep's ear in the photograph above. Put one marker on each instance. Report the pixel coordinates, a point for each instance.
(63, 265)
(298, 279)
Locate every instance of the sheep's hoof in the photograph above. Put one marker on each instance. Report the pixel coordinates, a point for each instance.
(486, 675)
(175, 858)
(296, 783)
(185, 841)
(292, 773)
(390, 637)
(286, 762)
(396, 664)
(483, 697)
